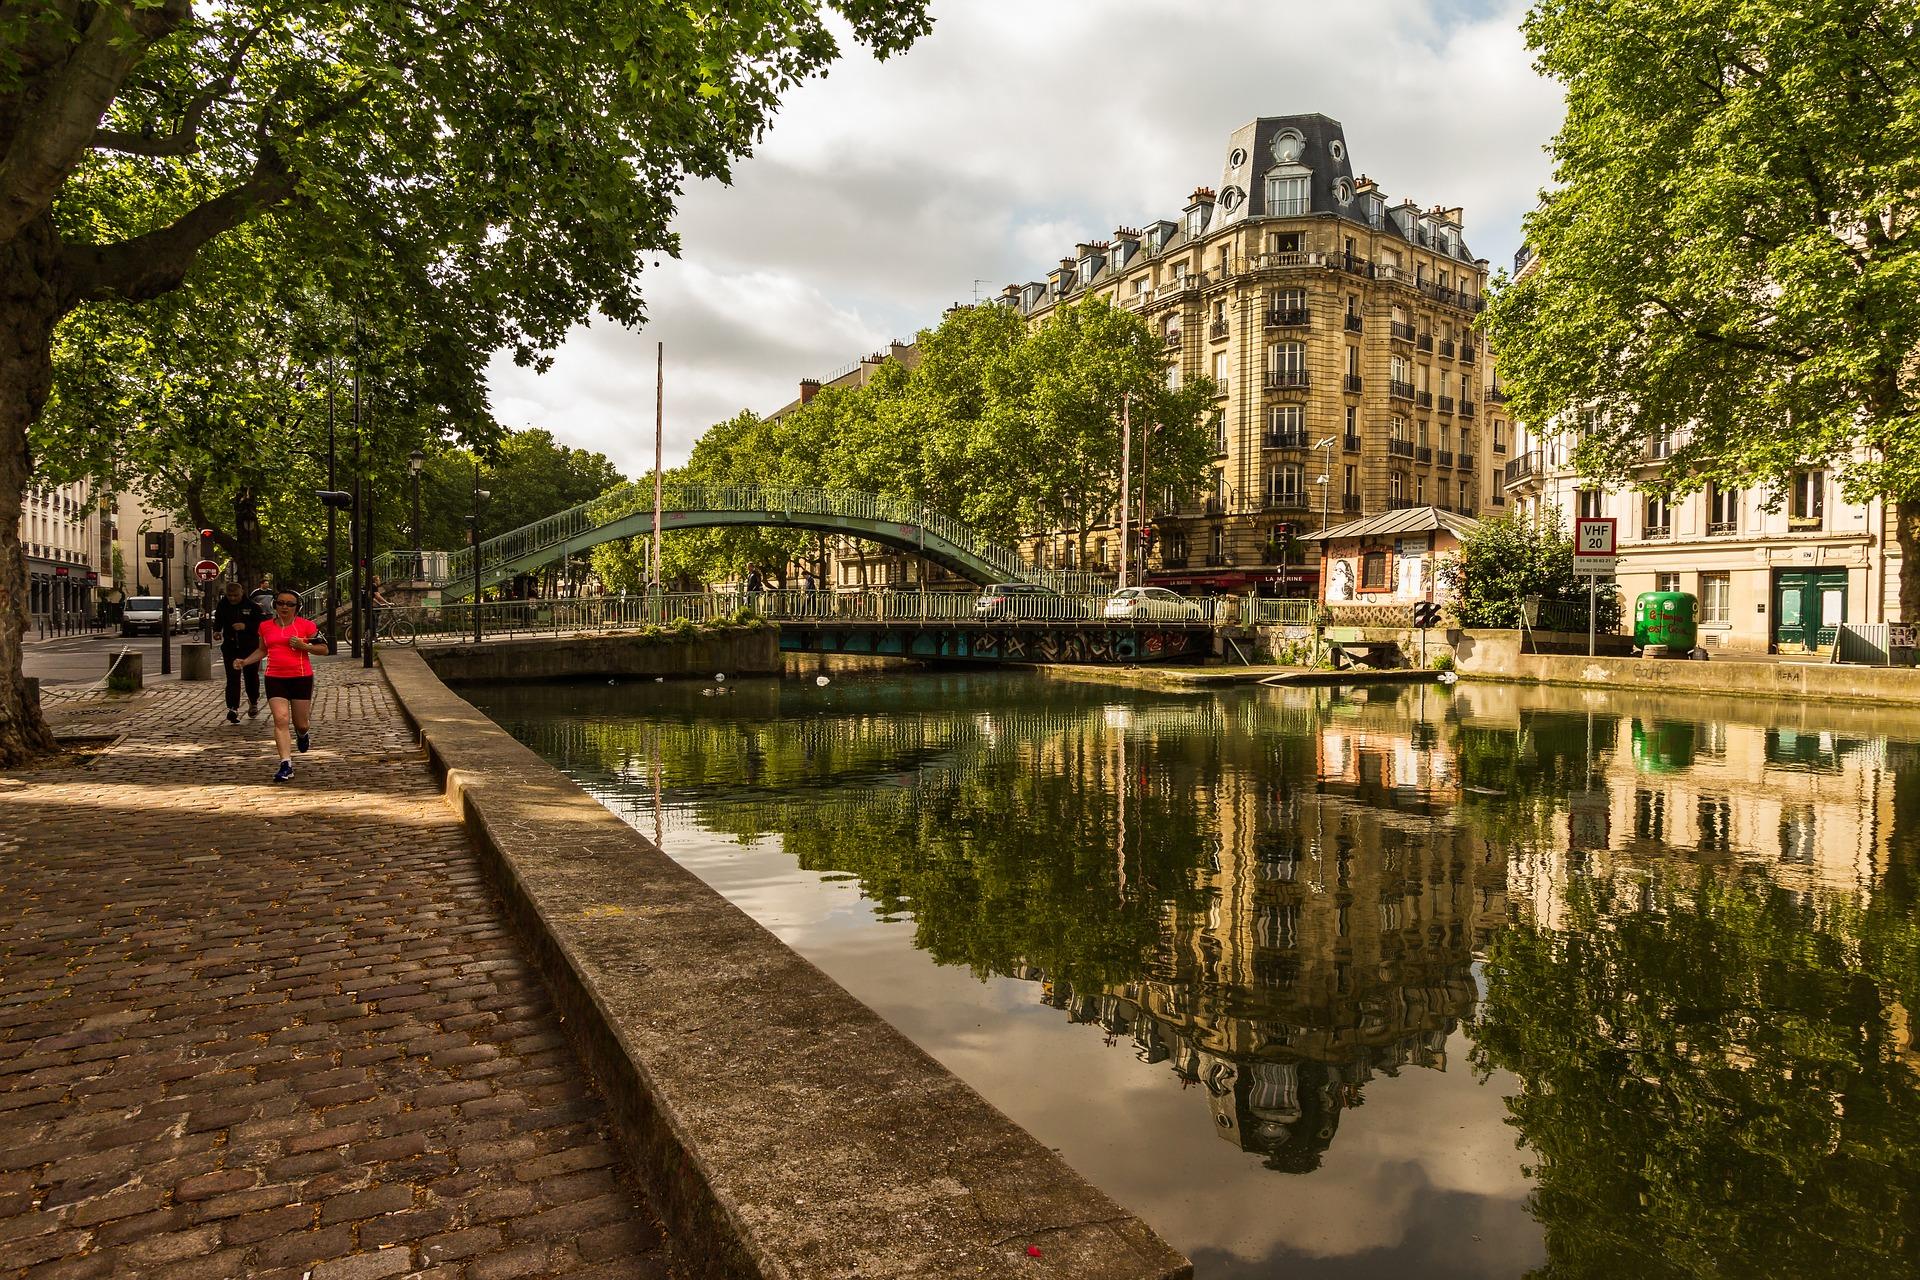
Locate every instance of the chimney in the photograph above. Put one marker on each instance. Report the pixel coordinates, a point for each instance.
(809, 388)
(1458, 217)
(897, 350)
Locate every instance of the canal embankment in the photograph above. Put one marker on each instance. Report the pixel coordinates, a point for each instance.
(1797, 681)
(791, 1131)
(668, 652)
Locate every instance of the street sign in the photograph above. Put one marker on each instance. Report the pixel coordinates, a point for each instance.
(1594, 536)
(1595, 566)
(206, 571)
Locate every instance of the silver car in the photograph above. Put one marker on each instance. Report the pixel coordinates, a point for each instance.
(1156, 604)
(142, 613)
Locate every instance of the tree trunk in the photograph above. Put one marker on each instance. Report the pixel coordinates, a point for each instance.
(1906, 516)
(249, 551)
(28, 309)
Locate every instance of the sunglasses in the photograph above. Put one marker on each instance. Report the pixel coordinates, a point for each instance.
(286, 604)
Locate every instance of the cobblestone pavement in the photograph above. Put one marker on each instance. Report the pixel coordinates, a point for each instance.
(266, 1031)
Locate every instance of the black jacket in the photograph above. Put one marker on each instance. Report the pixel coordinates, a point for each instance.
(243, 641)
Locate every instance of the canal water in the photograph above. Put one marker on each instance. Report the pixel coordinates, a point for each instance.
(1349, 983)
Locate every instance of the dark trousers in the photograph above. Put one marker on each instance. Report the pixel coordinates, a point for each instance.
(249, 673)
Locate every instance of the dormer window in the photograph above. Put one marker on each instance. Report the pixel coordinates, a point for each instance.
(1288, 194)
(1196, 220)
(1086, 270)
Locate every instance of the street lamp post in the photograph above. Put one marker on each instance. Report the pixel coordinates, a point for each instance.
(415, 462)
(479, 496)
(1326, 489)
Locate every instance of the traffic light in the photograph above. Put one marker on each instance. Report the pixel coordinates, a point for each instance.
(1426, 614)
(207, 547)
(153, 568)
(159, 544)
(1146, 535)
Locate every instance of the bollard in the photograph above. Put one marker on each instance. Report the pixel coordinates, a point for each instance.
(196, 661)
(124, 672)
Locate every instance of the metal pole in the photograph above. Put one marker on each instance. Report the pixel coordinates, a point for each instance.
(366, 546)
(333, 486)
(1146, 439)
(416, 527)
(355, 548)
(476, 547)
(166, 602)
(1593, 585)
(659, 434)
(1126, 476)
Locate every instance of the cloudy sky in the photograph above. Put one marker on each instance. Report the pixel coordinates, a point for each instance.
(888, 191)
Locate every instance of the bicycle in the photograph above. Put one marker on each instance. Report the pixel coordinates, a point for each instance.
(394, 626)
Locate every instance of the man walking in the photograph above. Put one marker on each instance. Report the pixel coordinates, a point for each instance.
(237, 618)
(262, 597)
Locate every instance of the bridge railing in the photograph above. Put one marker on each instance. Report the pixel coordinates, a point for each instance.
(455, 620)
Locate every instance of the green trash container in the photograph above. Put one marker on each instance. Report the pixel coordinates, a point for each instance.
(1668, 619)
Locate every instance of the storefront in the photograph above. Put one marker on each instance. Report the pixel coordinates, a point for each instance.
(1393, 558)
(59, 590)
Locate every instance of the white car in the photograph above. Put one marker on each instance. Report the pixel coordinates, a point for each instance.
(142, 613)
(1154, 603)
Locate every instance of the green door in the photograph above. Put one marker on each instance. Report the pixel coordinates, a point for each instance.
(1808, 604)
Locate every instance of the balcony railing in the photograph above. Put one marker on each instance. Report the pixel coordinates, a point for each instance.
(1423, 343)
(1217, 330)
(1722, 528)
(1353, 383)
(1350, 503)
(1654, 532)
(1466, 351)
(1218, 448)
(1465, 462)
(1353, 324)
(1351, 442)
(1287, 317)
(1499, 446)
(1443, 457)
(1424, 399)
(1496, 395)
(1400, 448)
(1446, 404)
(1286, 500)
(1399, 504)
(1213, 507)
(1446, 348)
(1351, 265)
(1400, 331)
(1422, 453)
(1173, 337)
(1400, 390)
(1524, 467)
(1284, 439)
(1659, 449)
(1218, 560)
(1467, 409)
(1281, 379)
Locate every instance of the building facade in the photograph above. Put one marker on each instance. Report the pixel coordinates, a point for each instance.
(65, 537)
(1337, 324)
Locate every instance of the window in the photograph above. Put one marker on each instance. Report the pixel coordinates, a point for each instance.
(1397, 487)
(1419, 491)
(1809, 504)
(1287, 195)
(1400, 370)
(1723, 510)
(1659, 518)
(1373, 571)
(1287, 300)
(1196, 220)
(1286, 425)
(1716, 597)
(1353, 299)
(1220, 368)
(1283, 242)
(1352, 479)
(1287, 357)
(1100, 552)
(1353, 420)
(1284, 483)
(1466, 499)
(1353, 362)
(1666, 582)
(1499, 436)
(1589, 503)
(1397, 428)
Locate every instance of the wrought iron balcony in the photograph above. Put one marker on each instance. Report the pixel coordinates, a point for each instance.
(1351, 442)
(1281, 379)
(1424, 399)
(1286, 439)
(1722, 528)
(1400, 331)
(1350, 502)
(1525, 467)
(1286, 500)
(1467, 350)
(1287, 317)
(1400, 390)
(1424, 342)
(1422, 453)
(1465, 462)
(1446, 348)
(1173, 337)
(1353, 324)
(1400, 448)
(1443, 458)
(1467, 409)
(1217, 330)
(1353, 383)
(1446, 404)
(1655, 532)
(1496, 395)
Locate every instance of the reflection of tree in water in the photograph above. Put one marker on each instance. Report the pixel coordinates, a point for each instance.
(1177, 871)
(1717, 1077)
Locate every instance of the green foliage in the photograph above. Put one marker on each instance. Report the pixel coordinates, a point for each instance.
(1514, 556)
(1008, 427)
(1712, 1078)
(1732, 247)
(1442, 662)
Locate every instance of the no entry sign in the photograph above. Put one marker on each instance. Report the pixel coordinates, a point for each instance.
(206, 571)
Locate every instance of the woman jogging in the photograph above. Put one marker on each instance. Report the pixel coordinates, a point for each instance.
(286, 640)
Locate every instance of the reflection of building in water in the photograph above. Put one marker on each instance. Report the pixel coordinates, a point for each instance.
(1335, 939)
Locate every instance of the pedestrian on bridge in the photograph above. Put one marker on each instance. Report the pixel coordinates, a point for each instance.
(287, 643)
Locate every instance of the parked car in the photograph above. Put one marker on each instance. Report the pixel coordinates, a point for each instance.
(1156, 604)
(142, 613)
(1011, 600)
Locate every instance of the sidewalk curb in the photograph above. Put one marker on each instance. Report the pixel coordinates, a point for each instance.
(787, 1130)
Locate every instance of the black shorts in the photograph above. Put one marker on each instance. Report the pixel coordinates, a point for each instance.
(292, 688)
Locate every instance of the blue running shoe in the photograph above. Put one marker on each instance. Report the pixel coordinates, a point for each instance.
(285, 772)
(302, 741)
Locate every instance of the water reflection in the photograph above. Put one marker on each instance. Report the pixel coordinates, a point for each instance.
(1680, 948)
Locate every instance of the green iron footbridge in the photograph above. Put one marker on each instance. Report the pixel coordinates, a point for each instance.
(895, 522)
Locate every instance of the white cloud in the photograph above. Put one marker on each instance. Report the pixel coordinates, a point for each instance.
(1016, 128)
